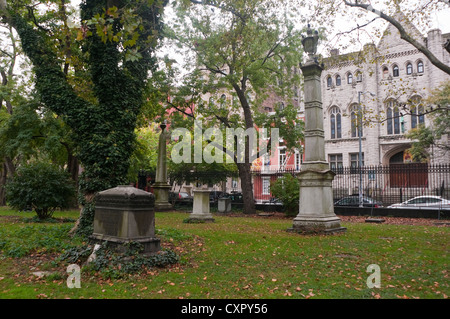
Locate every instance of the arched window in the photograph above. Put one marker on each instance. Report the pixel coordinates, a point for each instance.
(395, 71)
(338, 80)
(417, 112)
(335, 122)
(329, 81)
(385, 72)
(354, 111)
(349, 78)
(392, 117)
(420, 67)
(222, 101)
(409, 69)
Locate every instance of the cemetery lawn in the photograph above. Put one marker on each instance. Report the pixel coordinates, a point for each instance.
(234, 257)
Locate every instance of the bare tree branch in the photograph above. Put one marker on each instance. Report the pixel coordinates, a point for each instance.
(403, 34)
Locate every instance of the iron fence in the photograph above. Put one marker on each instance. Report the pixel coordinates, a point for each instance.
(386, 184)
(393, 184)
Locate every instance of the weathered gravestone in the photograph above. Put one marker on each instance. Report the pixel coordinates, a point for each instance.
(200, 207)
(125, 214)
(224, 205)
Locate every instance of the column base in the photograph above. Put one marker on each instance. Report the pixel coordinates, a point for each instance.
(163, 206)
(317, 225)
(206, 218)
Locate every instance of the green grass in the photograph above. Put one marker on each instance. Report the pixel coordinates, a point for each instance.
(237, 257)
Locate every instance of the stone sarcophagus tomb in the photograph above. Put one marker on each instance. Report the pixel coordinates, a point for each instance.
(125, 214)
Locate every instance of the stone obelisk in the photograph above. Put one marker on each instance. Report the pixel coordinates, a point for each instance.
(161, 187)
(316, 209)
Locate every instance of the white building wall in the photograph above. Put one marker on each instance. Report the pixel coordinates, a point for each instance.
(377, 145)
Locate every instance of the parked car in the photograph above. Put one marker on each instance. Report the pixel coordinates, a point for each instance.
(424, 202)
(353, 201)
(275, 201)
(180, 198)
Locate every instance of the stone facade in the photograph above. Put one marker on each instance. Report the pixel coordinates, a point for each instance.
(394, 72)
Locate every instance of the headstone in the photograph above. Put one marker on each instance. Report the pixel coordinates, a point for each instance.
(224, 205)
(200, 208)
(125, 214)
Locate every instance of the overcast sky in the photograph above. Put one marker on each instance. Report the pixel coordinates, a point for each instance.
(440, 20)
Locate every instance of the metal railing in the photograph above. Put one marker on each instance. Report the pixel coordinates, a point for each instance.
(386, 184)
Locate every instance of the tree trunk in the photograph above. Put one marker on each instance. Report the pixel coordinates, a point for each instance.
(247, 188)
(245, 168)
(8, 169)
(3, 174)
(73, 168)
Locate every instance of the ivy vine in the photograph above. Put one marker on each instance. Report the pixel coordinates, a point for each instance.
(104, 129)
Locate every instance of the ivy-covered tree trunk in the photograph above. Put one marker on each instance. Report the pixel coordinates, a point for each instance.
(103, 130)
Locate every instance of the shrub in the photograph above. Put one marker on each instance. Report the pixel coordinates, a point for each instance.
(42, 187)
(287, 190)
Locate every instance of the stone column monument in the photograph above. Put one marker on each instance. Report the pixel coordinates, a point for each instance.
(316, 211)
(161, 187)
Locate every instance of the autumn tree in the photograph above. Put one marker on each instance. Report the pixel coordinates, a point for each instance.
(238, 54)
(435, 137)
(118, 39)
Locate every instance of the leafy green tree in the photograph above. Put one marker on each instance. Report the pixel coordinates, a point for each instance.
(13, 76)
(249, 49)
(145, 155)
(42, 187)
(118, 39)
(287, 190)
(436, 135)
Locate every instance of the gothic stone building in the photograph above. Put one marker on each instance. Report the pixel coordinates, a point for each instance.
(388, 80)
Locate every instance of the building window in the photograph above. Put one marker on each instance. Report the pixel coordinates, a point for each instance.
(354, 111)
(266, 160)
(234, 182)
(392, 118)
(395, 71)
(329, 81)
(349, 78)
(358, 76)
(266, 185)
(409, 69)
(298, 160)
(282, 157)
(335, 161)
(335, 123)
(385, 73)
(338, 80)
(420, 67)
(223, 100)
(354, 161)
(417, 110)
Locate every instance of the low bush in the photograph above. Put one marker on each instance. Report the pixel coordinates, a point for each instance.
(287, 190)
(42, 187)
